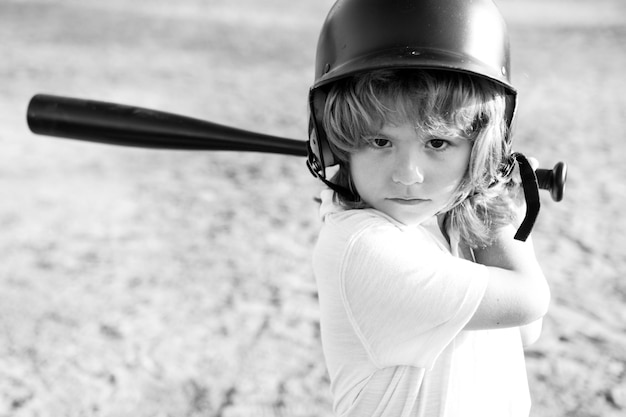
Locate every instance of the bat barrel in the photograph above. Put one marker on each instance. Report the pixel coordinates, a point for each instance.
(118, 124)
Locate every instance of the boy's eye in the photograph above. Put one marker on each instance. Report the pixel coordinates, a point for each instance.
(381, 143)
(437, 143)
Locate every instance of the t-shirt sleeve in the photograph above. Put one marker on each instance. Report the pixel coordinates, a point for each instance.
(406, 297)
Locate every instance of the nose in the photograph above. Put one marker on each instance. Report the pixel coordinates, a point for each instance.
(407, 170)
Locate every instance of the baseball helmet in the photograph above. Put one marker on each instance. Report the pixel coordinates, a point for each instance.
(364, 35)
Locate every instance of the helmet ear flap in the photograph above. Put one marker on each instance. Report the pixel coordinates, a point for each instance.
(509, 116)
(320, 155)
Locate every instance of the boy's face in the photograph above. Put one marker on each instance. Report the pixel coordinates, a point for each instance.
(408, 174)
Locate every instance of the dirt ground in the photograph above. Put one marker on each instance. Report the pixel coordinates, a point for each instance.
(167, 283)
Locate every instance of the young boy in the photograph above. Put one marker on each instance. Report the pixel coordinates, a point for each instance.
(426, 298)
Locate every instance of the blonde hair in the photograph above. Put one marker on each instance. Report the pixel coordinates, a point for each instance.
(439, 102)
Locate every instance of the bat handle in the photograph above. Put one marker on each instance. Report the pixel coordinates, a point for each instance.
(553, 180)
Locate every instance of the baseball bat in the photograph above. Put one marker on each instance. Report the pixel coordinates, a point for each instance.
(118, 124)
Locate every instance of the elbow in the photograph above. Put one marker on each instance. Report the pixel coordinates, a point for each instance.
(532, 305)
(538, 303)
(512, 303)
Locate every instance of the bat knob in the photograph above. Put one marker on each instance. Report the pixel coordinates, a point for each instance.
(553, 180)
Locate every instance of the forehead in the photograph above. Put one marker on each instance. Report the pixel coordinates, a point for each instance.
(409, 131)
(401, 131)
(413, 119)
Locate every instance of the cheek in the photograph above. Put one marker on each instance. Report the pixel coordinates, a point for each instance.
(366, 174)
(455, 169)
(459, 171)
(359, 173)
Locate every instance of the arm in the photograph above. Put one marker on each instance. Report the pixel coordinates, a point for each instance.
(517, 293)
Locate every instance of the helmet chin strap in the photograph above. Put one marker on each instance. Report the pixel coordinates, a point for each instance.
(319, 173)
(343, 191)
(531, 195)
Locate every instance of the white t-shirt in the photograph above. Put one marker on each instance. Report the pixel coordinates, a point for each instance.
(394, 301)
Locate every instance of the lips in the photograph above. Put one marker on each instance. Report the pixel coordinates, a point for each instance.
(407, 201)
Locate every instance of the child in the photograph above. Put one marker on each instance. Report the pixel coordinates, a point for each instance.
(426, 299)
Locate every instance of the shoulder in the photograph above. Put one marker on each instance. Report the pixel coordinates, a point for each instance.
(366, 235)
(371, 227)
(343, 222)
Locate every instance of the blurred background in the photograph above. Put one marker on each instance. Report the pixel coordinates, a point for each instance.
(168, 283)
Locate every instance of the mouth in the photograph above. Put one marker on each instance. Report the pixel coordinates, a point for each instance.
(407, 201)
